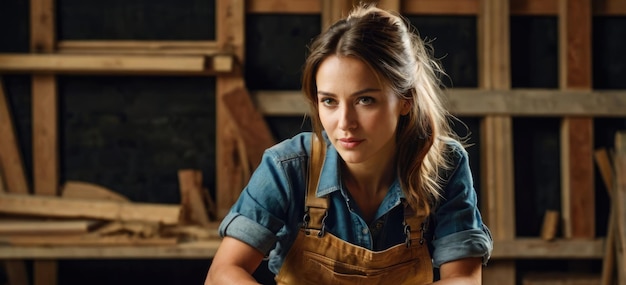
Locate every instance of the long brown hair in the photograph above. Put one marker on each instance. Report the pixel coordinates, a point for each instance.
(391, 47)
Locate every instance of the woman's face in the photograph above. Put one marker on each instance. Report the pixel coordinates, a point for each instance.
(358, 112)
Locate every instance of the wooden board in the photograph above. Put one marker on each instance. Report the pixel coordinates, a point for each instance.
(104, 64)
(11, 164)
(192, 202)
(560, 279)
(85, 240)
(333, 10)
(71, 208)
(230, 37)
(138, 47)
(90, 191)
(619, 205)
(41, 227)
(537, 248)
(475, 102)
(577, 181)
(250, 123)
(45, 135)
(498, 205)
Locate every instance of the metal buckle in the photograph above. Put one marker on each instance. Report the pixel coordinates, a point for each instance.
(323, 229)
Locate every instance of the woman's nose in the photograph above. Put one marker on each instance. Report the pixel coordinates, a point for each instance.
(347, 118)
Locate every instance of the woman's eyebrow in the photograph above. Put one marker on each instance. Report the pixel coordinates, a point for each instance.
(360, 92)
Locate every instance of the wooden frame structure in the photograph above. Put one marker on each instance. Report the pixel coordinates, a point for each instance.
(493, 101)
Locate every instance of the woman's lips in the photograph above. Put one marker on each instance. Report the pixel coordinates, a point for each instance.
(349, 143)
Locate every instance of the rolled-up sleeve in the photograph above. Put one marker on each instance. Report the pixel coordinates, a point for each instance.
(459, 230)
(264, 213)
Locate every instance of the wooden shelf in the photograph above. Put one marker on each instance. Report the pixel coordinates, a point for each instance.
(116, 64)
(536, 248)
(476, 102)
(522, 248)
(191, 250)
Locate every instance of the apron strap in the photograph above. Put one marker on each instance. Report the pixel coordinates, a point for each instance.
(415, 224)
(315, 207)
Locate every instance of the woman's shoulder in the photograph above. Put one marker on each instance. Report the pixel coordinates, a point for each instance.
(295, 147)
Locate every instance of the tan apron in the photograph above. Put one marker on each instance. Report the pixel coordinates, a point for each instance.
(318, 257)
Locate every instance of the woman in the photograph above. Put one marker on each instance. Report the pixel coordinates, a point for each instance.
(383, 196)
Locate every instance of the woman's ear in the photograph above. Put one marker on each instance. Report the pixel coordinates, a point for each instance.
(406, 107)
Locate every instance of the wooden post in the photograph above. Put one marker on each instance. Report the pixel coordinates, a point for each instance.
(333, 10)
(498, 205)
(578, 199)
(230, 37)
(619, 205)
(45, 122)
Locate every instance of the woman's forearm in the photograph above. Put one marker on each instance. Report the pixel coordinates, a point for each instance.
(229, 275)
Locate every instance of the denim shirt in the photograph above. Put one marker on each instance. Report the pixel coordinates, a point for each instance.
(269, 211)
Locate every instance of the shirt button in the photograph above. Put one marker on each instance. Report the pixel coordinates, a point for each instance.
(365, 230)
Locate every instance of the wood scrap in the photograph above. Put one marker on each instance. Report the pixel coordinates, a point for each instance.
(605, 167)
(550, 225)
(192, 232)
(136, 229)
(46, 227)
(74, 208)
(250, 123)
(85, 190)
(193, 209)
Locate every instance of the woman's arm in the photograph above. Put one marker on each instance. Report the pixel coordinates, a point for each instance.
(234, 263)
(463, 271)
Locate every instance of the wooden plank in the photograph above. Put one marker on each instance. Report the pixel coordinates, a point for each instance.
(534, 7)
(251, 125)
(391, 5)
(45, 272)
(11, 165)
(498, 205)
(441, 7)
(70, 208)
(230, 37)
(45, 135)
(333, 10)
(605, 167)
(90, 191)
(193, 208)
(193, 250)
(619, 205)
(105, 64)
(475, 102)
(609, 8)
(550, 225)
(16, 272)
(283, 7)
(34, 227)
(45, 121)
(578, 197)
(85, 240)
(536, 248)
(138, 47)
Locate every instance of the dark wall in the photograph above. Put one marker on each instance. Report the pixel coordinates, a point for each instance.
(132, 133)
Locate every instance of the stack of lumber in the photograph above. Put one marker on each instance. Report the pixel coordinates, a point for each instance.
(87, 215)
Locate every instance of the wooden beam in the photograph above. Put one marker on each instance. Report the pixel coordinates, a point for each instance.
(496, 145)
(577, 181)
(138, 47)
(230, 36)
(70, 208)
(333, 10)
(440, 7)
(35, 227)
(193, 208)
(192, 250)
(283, 6)
(475, 102)
(107, 64)
(536, 248)
(86, 240)
(16, 272)
(45, 135)
(11, 165)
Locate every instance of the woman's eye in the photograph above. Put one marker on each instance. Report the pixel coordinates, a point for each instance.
(366, 100)
(328, 101)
